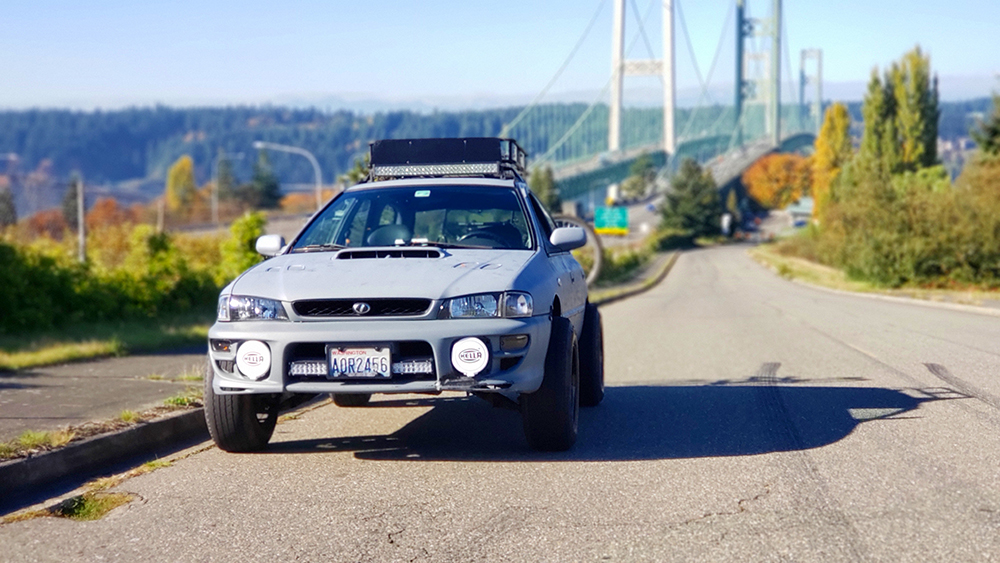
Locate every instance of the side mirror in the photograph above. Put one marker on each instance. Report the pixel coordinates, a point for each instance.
(568, 238)
(270, 245)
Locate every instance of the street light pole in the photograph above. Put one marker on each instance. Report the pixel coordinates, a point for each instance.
(296, 150)
(215, 183)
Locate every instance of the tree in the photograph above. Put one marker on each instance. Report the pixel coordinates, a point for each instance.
(642, 174)
(778, 180)
(69, 203)
(916, 107)
(106, 212)
(693, 203)
(226, 181)
(266, 188)
(543, 183)
(181, 187)
(8, 211)
(987, 133)
(832, 151)
(901, 117)
(357, 173)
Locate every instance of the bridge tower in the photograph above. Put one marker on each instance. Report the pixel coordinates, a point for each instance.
(815, 79)
(747, 28)
(620, 68)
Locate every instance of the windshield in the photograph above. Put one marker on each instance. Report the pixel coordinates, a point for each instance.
(452, 216)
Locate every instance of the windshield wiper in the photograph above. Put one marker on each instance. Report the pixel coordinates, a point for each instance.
(318, 248)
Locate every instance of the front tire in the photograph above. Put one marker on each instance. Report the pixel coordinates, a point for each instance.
(351, 399)
(592, 358)
(239, 423)
(551, 414)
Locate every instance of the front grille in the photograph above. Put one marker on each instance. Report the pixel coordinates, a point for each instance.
(378, 307)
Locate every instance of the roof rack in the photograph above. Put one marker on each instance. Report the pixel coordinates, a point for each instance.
(485, 157)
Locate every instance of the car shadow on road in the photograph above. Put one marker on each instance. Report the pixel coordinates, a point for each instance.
(640, 423)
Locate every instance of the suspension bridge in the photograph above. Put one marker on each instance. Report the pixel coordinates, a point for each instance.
(747, 104)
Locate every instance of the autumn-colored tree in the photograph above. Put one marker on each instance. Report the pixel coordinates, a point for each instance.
(181, 188)
(48, 223)
(778, 180)
(833, 150)
(106, 212)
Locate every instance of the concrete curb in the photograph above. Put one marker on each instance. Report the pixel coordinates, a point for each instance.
(641, 287)
(20, 475)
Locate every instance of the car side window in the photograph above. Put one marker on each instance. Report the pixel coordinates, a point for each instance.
(548, 225)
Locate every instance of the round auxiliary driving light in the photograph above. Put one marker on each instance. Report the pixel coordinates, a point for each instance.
(470, 356)
(253, 358)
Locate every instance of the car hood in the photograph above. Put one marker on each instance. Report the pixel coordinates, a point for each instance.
(321, 275)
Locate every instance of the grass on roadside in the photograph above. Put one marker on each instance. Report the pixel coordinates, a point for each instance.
(792, 267)
(190, 397)
(31, 440)
(99, 340)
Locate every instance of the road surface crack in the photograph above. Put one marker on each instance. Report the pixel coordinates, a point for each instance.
(742, 505)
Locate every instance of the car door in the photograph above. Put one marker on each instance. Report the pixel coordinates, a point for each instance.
(571, 280)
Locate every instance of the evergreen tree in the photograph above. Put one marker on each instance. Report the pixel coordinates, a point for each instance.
(8, 211)
(69, 203)
(693, 203)
(832, 151)
(358, 172)
(543, 183)
(225, 179)
(264, 184)
(181, 187)
(987, 134)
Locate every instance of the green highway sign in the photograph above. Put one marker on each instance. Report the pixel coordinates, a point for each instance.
(611, 220)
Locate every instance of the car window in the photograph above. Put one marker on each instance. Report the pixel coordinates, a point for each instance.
(474, 216)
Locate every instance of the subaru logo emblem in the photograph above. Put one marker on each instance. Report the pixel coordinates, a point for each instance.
(362, 308)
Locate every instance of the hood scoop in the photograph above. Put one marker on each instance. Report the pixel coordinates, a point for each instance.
(388, 253)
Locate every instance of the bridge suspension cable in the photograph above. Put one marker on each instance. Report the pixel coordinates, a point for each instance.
(573, 128)
(569, 58)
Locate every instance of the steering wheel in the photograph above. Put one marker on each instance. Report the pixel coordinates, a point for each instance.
(485, 234)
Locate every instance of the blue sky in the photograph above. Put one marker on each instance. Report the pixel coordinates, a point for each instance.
(105, 53)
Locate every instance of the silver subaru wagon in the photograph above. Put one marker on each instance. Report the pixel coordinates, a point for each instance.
(440, 272)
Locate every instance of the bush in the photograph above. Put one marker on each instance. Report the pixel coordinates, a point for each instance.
(134, 273)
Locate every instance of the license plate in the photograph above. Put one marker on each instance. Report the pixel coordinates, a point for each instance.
(360, 362)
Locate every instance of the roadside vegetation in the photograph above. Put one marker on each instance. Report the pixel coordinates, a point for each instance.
(139, 290)
(888, 214)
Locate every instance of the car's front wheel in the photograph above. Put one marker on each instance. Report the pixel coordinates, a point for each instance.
(592, 358)
(551, 414)
(239, 423)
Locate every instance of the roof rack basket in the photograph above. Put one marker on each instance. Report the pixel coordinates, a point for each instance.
(481, 157)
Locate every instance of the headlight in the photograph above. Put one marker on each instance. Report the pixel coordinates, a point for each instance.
(484, 305)
(243, 308)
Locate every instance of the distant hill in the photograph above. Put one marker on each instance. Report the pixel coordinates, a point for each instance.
(128, 151)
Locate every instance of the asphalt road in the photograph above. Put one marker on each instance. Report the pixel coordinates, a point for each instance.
(747, 419)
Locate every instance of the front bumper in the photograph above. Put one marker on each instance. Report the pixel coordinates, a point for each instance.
(508, 372)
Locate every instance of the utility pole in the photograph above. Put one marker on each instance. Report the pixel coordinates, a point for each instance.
(664, 68)
(81, 223)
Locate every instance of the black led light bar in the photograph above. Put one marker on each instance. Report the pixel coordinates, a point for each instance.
(475, 156)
